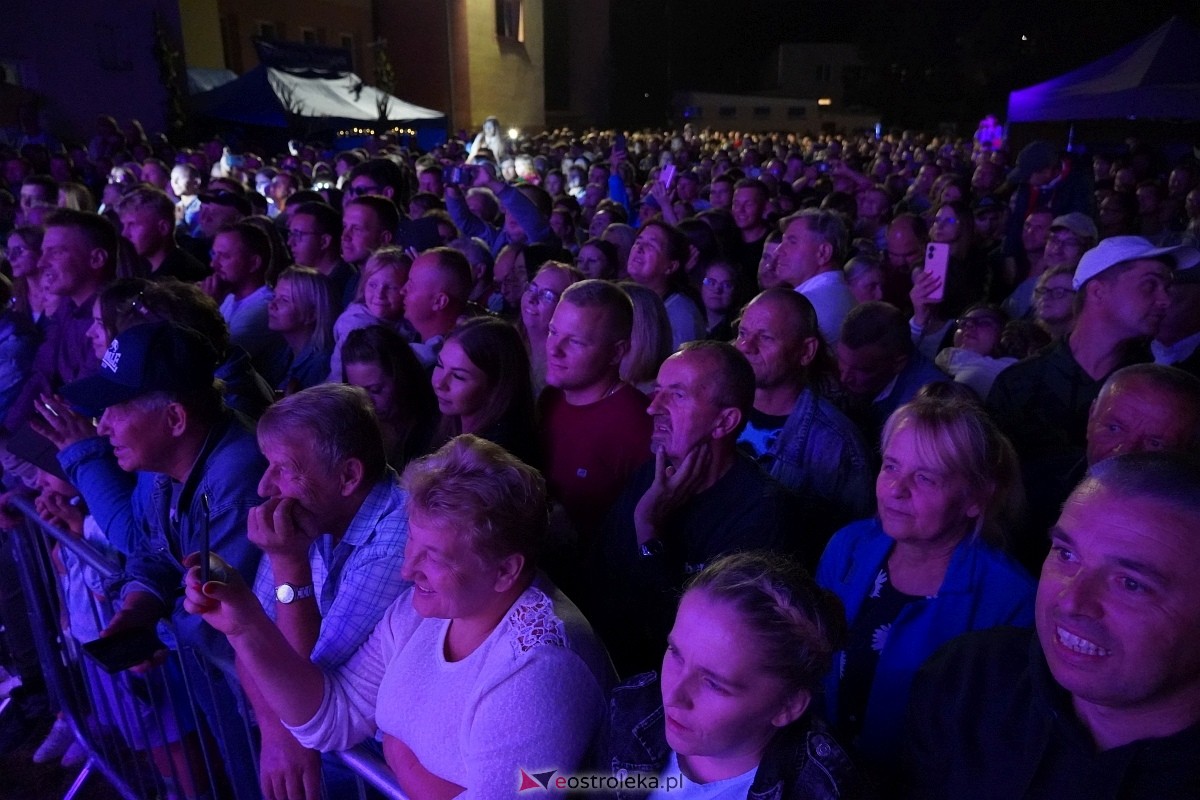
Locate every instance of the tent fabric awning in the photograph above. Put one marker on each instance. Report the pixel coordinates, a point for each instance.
(344, 97)
(1157, 76)
(269, 97)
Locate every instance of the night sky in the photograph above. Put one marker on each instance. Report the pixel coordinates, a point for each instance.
(927, 61)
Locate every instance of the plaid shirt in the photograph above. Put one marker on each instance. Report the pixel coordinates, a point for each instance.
(356, 579)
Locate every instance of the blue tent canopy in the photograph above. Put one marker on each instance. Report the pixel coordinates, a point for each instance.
(1157, 76)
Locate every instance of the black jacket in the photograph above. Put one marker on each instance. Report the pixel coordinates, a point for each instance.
(802, 762)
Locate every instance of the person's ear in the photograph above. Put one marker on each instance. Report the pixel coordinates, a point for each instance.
(808, 350)
(824, 252)
(177, 419)
(508, 571)
(620, 350)
(326, 241)
(727, 421)
(97, 258)
(793, 709)
(386, 236)
(351, 476)
(440, 301)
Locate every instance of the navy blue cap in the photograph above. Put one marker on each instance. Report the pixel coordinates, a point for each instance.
(156, 357)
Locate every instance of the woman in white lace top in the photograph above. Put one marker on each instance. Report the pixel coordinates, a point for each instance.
(480, 670)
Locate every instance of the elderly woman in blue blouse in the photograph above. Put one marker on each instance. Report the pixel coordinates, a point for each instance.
(479, 670)
(730, 717)
(928, 567)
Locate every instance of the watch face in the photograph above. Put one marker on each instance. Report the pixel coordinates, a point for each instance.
(284, 593)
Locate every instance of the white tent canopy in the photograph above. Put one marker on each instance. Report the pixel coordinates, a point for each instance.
(271, 97)
(346, 97)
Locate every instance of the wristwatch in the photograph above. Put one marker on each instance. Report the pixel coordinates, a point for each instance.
(651, 548)
(286, 594)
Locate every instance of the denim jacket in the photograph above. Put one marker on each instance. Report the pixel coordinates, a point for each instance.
(802, 762)
(820, 452)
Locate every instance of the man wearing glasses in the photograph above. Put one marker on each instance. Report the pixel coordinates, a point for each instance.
(314, 236)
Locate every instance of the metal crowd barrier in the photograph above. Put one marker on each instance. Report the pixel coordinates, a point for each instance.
(164, 734)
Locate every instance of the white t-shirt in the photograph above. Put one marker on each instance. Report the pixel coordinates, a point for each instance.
(674, 785)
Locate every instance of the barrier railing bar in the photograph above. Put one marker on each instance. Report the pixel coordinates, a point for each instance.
(86, 553)
(371, 769)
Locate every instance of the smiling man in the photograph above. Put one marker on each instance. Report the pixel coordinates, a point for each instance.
(78, 258)
(1104, 701)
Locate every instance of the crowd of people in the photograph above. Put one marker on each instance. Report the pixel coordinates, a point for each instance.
(657, 458)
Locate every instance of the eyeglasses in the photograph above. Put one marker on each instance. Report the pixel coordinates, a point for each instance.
(293, 233)
(967, 323)
(713, 283)
(1054, 293)
(359, 191)
(547, 296)
(945, 220)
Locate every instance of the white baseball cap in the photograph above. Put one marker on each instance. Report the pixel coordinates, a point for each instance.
(1119, 249)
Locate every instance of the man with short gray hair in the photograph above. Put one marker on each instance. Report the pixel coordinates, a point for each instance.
(332, 532)
(809, 259)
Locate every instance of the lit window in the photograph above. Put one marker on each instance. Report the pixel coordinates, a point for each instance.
(510, 20)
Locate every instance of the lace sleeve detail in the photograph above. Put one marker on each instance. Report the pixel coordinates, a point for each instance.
(535, 624)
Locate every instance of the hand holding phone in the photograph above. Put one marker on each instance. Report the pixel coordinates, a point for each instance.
(937, 264)
(667, 175)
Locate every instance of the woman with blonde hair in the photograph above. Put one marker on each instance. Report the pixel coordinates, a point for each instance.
(650, 343)
(77, 196)
(301, 310)
(928, 567)
(378, 300)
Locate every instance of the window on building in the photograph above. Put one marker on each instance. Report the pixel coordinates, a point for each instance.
(726, 112)
(268, 31)
(230, 43)
(510, 20)
(347, 42)
(308, 36)
(693, 112)
(797, 112)
(824, 73)
(762, 111)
